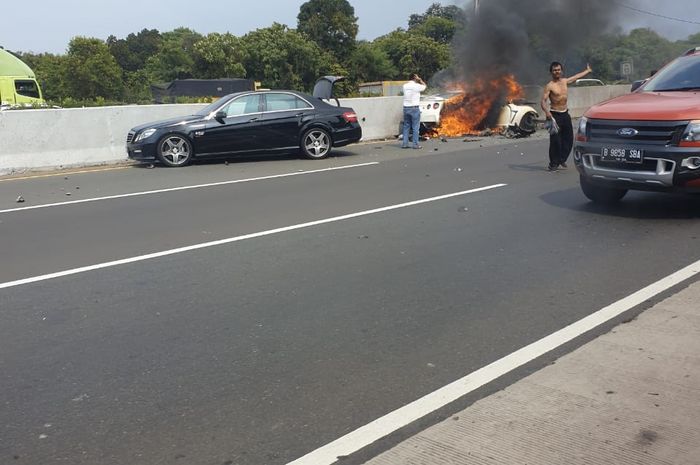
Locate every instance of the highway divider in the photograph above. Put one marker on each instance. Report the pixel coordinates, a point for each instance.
(73, 137)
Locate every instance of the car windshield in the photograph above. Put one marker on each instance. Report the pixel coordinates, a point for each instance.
(682, 74)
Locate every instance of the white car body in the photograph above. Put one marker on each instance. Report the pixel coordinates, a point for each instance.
(520, 119)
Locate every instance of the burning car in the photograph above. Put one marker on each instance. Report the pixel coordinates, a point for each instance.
(477, 108)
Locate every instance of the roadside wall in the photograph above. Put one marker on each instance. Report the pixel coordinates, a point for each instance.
(52, 138)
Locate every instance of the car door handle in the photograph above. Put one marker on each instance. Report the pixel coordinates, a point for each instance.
(253, 119)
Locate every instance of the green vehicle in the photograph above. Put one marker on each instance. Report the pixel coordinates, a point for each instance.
(18, 86)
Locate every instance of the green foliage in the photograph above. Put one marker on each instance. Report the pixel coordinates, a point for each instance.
(332, 24)
(414, 53)
(370, 63)
(280, 57)
(131, 53)
(451, 13)
(91, 71)
(441, 30)
(137, 87)
(219, 56)
(644, 48)
(175, 57)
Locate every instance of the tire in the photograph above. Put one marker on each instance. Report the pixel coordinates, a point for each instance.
(528, 123)
(174, 150)
(316, 143)
(601, 194)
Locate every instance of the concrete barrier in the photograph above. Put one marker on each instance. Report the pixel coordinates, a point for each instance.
(582, 98)
(53, 138)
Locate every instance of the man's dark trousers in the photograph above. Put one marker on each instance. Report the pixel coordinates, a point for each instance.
(560, 144)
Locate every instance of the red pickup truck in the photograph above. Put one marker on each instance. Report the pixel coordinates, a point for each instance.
(646, 140)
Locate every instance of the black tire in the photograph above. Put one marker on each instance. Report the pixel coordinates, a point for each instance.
(601, 194)
(174, 150)
(316, 143)
(528, 123)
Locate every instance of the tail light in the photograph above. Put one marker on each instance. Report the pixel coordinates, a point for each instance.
(436, 106)
(350, 117)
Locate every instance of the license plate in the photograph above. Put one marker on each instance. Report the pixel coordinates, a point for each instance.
(622, 154)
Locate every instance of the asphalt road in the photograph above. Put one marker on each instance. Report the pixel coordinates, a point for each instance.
(302, 324)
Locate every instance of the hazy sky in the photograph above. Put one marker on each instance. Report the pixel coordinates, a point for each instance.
(48, 25)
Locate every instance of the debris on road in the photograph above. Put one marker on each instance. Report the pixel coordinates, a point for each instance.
(20, 199)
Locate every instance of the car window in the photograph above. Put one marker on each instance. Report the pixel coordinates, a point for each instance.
(281, 102)
(682, 74)
(27, 88)
(243, 105)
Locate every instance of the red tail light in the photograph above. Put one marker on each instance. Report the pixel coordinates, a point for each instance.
(350, 116)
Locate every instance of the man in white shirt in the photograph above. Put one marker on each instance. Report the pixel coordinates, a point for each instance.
(411, 109)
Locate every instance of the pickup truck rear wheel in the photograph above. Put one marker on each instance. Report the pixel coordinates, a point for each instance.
(601, 194)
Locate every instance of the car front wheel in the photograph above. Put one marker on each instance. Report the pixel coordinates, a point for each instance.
(601, 194)
(316, 143)
(175, 150)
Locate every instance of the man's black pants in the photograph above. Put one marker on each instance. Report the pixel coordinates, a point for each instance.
(560, 144)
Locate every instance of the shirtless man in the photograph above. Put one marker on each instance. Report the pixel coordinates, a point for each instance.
(557, 92)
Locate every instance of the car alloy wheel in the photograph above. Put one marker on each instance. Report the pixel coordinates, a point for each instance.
(175, 150)
(316, 143)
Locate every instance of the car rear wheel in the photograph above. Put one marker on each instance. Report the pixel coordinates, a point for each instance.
(601, 194)
(316, 143)
(175, 150)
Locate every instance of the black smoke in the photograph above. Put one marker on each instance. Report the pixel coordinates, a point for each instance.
(521, 37)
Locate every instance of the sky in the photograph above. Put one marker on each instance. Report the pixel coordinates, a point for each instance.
(48, 25)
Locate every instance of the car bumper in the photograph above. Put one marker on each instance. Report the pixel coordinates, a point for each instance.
(347, 135)
(661, 169)
(141, 151)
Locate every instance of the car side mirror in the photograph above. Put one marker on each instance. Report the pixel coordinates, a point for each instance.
(637, 84)
(220, 116)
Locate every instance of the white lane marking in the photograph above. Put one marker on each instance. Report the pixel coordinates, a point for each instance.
(182, 188)
(391, 422)
(188, 248)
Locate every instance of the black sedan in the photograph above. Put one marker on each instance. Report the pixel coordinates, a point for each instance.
(261, 122)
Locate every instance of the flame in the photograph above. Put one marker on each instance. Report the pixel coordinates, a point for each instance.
(472, 110)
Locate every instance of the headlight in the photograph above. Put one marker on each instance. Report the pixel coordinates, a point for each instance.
(144, 134)
(582, 125)
(692, 132)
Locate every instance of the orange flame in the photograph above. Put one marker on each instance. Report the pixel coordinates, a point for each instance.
(467, 112)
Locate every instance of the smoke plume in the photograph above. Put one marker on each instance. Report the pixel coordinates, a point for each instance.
(521, 37)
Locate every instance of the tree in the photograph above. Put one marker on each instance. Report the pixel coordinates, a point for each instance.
(414, 53)
(133, 52)
(331, 24)
(370, 63)
(91, 71)
(174, 59)
(452, 13)
(441, 30)
(280, 57)
(219, 56)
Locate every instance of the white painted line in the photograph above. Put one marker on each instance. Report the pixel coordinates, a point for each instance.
(204, 245)
(381, 427)
(182, 188)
